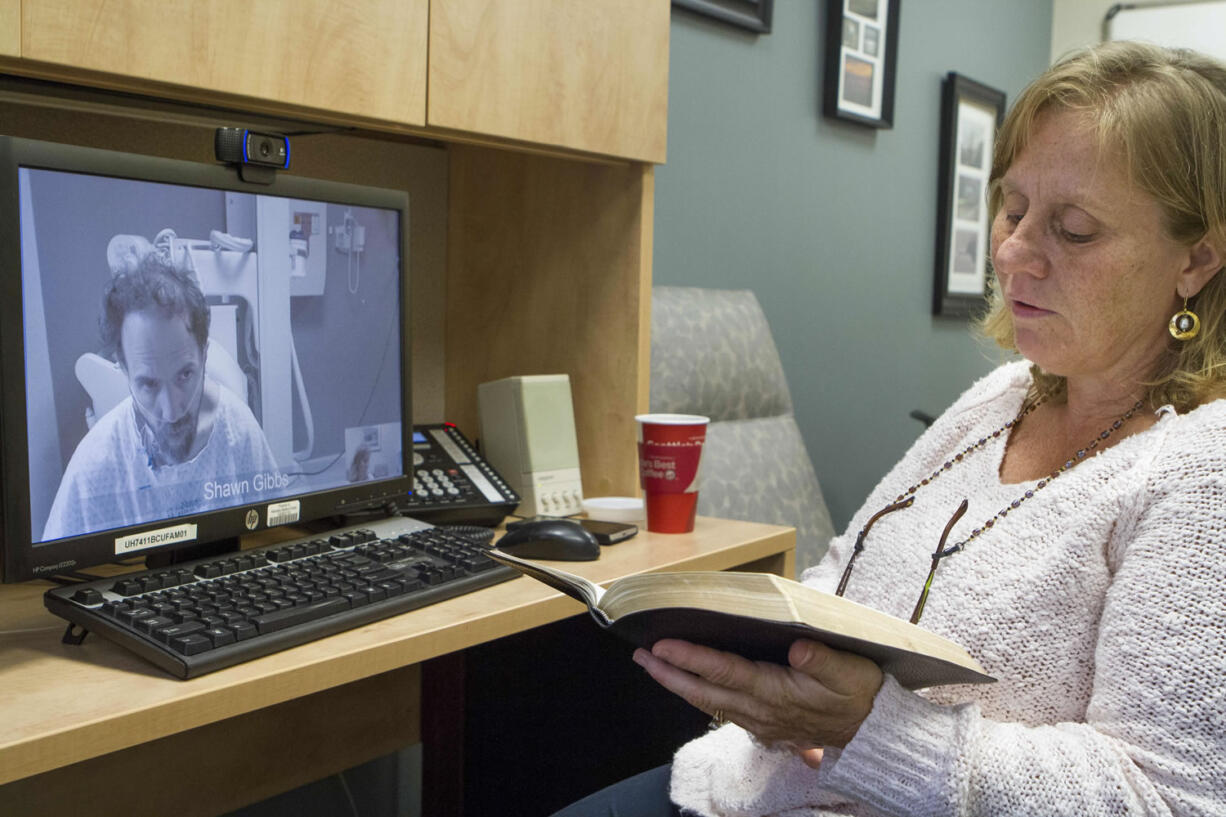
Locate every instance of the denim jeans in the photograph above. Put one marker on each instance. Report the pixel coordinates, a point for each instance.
(644, 795)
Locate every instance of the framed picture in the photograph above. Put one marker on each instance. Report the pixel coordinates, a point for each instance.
(971, 115)
(861, 55)
(754, 15)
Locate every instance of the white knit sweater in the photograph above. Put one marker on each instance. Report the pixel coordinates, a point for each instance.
(1099, 605)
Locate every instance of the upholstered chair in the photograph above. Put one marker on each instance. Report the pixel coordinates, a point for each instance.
(712, 354)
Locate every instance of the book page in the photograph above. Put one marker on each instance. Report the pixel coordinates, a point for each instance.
(753, 594)
(577, 587)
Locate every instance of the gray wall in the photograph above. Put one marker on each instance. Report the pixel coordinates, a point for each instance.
(831, 224)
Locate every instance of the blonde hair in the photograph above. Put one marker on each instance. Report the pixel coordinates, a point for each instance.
(1164, 111)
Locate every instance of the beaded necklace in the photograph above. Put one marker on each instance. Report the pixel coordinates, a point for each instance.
(907, 498)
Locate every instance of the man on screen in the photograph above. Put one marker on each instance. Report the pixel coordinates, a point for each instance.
(180, 443)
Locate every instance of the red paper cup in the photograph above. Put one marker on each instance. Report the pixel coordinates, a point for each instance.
(670, 451)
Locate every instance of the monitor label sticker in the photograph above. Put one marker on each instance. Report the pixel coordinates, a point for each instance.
(283, 513)
(155, 538)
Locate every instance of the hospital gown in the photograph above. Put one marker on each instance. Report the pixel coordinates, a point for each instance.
(109, 482)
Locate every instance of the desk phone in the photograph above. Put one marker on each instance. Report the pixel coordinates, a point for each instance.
(452, 483)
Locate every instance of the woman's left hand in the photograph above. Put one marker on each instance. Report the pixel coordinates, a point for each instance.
(820, 699)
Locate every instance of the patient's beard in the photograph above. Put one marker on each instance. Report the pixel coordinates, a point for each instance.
(175, 439)
(170, 443)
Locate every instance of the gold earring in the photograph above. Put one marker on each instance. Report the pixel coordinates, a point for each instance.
(1184, 324)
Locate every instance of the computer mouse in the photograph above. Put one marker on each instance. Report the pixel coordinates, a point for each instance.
(559, 539)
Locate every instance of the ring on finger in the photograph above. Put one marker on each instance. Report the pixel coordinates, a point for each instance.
(717, 719)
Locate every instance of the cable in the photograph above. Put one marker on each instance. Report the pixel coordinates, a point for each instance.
(347, 129)
(474, 533)
(353, 807)
(307, 418)
(387, 343)
(355, 242)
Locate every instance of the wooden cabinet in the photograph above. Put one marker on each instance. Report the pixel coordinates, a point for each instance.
(363, 59)
(585, 76)
(590, 75)
(10, 28)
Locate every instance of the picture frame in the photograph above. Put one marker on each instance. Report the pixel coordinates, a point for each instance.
(971, 116)
(861, 59)
(754, 15)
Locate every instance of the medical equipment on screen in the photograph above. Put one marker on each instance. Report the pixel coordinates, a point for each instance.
(351, 240)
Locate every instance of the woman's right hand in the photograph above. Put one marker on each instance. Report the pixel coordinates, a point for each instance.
(820, 699)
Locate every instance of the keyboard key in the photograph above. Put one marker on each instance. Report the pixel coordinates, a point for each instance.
(127, 587)
(168, 634)
(128, 616)
(87, 596)
(220, 636)
(279, 620)
(193, 644)
(157, 581)
(392, 588)
(208, 571)
(151, 623)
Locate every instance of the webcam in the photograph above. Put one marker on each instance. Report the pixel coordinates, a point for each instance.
(259, 155)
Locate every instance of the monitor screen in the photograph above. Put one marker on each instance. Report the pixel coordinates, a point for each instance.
(188, 357)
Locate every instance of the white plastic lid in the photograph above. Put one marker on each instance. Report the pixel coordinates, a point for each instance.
(673, 419)
(614, 508)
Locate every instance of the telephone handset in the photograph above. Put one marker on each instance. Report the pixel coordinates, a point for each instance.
(452, 483)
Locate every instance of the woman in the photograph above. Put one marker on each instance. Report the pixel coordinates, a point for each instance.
(1088, 574)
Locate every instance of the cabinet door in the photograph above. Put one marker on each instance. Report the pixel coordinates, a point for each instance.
(361, 57)
(10, 28)
(589, 75)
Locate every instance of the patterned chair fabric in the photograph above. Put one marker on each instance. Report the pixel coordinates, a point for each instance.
(712, 353)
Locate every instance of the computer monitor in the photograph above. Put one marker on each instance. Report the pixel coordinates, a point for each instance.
(186, 357)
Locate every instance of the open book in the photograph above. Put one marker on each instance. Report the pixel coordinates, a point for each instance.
(758, 616)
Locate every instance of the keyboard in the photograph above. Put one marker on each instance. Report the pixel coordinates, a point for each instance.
(199, 616)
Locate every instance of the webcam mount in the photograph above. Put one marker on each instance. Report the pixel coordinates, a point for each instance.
(258, 154)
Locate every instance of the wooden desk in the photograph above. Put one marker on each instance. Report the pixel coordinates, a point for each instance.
(80, 724)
